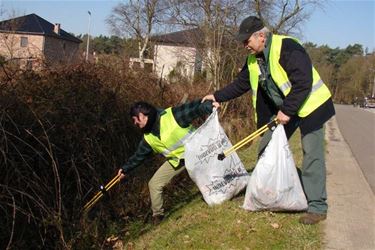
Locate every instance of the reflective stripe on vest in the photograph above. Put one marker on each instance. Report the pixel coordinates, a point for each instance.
(254, 72)
(319, 92)
(286, 86)
(172, 138)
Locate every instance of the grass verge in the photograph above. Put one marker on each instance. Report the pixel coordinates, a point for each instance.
(198, 226)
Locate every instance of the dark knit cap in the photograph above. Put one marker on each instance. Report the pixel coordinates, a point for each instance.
(248, 26)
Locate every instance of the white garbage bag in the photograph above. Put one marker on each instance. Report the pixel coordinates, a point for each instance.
(217, 180)
(274, 184)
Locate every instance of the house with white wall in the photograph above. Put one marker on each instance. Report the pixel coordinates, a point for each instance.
(178, 52)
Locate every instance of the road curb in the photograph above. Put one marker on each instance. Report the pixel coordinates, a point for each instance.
(351, 216)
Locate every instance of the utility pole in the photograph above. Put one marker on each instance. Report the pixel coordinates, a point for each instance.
(373, 89)
(88, 37)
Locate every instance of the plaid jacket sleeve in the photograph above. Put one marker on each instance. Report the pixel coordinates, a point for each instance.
(142, 152)
(187, 112)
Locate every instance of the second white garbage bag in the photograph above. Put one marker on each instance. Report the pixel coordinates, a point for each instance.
(274, 184)
(217, 180)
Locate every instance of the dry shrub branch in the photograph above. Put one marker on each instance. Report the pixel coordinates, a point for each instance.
(65, 132)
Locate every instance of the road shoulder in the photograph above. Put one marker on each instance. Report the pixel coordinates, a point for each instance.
(351, 216)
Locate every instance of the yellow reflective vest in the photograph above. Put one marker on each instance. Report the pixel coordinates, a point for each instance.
(172, 137)
(319, 92)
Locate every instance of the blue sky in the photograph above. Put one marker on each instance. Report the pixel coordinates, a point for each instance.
(340, 24)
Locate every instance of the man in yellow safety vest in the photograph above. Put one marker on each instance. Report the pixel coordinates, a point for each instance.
(285, 85)
(164, 132)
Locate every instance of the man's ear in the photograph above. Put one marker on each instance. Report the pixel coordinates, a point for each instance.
(262, 35)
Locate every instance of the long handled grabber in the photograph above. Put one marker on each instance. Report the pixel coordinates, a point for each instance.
(271, 125)
(99, 194)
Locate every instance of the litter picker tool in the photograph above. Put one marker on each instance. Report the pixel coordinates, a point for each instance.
(99, 194)
(269, 126)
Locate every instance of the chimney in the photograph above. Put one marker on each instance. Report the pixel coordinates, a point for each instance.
(56, 28)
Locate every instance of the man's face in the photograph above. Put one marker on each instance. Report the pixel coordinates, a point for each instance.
(255, 43)
(140, 121)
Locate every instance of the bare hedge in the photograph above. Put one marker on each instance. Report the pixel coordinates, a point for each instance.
(66, 131)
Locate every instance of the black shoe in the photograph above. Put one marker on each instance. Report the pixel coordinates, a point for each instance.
(312, 218)
(157, 219)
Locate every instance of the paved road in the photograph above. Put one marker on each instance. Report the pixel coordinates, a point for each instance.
(357, 126)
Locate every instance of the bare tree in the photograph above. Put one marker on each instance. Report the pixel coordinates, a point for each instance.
(219, 19)
(10, 52)
(284, 16)
(136, 19)
(215, 18)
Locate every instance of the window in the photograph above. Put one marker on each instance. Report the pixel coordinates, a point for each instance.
(24, 41)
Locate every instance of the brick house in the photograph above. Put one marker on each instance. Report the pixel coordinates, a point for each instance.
(31, 42)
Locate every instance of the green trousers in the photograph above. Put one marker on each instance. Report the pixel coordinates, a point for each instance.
(313, 172)
(158, 181)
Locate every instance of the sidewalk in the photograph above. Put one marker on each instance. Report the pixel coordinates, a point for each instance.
(351, 216)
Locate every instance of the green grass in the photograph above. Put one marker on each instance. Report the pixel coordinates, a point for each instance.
(227, 226)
